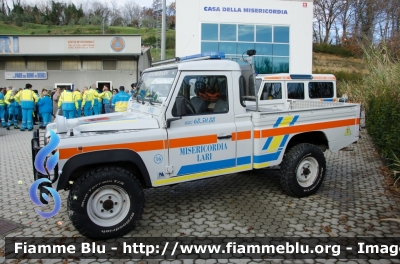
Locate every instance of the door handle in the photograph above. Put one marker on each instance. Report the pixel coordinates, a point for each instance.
(225, 137)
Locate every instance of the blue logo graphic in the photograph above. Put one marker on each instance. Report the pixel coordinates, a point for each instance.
(158, 159)
(50, 165)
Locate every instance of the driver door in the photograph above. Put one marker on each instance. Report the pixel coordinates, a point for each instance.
(200, 144)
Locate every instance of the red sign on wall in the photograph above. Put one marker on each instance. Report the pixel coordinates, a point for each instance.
(304, 4)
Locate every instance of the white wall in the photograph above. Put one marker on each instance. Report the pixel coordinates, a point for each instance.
(79, 78)
(190, 15)
(72, 45)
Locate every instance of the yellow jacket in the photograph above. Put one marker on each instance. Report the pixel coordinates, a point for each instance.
(106, 96)
(9, 97)
(88, 97)
(77, 96)
(26, 98)
(67, 102)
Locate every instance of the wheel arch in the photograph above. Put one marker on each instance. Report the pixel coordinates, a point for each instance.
(124, 158)
(317, 138)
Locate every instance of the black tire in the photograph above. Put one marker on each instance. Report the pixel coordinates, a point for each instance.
(311, 173)
(101, 189)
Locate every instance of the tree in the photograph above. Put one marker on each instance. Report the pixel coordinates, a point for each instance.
(326, 12)
(55, 16)
(116, 18)
(131, 13)
(344, 19)
(171, 14)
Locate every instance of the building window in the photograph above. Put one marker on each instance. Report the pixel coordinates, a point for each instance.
(2, 65)
(270, 42)
(263, 33)
(227, 32)
(53, 65)
(295, 90)
(92, 65)
(281, 34)
(280, 65)
(209, 32)
(280, 50)
(246, 33)
(16, 65)
(127, 65)
(209, 46)
(227, 47)
(109, 65)
(36, 65)
(263, 49)
(243, 47)
(71, 65)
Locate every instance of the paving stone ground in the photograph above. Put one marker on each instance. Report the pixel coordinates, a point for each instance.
(350, 203)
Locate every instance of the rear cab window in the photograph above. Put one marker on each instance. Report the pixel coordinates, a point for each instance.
(295, 91)
(320, 90)
(271, 91)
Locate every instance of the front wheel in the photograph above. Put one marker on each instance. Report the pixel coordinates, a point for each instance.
(302, 170)
(106, 202)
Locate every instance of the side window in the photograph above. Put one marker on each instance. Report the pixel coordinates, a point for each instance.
(271, 91)
(320, 90)
(204, 94)
(242, 90)
(295, 90)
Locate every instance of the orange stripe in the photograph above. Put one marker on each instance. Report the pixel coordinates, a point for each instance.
(257, 134)
(137, 146)
(277, 78)
(309, 127)
(142, 146)
(68, 153)
(244, 135)
(324, 77)
(192, 141)
(233, 136)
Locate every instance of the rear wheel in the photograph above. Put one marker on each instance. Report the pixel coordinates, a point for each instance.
(302, 170)
(105, 202)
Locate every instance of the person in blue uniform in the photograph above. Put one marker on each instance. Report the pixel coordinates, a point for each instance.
(27, 99)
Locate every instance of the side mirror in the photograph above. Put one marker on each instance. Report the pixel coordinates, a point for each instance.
(180, 106)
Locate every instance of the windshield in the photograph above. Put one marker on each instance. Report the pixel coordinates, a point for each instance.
(155, 86)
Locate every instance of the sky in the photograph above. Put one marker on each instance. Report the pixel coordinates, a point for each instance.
(144, 3)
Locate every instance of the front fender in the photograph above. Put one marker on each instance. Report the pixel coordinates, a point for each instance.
(101, 158)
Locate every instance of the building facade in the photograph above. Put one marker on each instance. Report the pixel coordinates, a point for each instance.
(51, 61)
(279, 30)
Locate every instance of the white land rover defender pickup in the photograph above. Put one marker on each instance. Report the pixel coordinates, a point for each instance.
(190, 120)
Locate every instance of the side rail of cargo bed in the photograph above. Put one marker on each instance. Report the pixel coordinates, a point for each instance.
(326, 125)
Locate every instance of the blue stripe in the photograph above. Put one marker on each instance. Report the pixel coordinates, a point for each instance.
(278, 122)
(294, 120)
(328, 100)
(283, 143)
(243, 160)
(207, 166)
(267, 157)
(266, 146)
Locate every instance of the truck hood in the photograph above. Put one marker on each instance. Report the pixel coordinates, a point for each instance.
(106, 122)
